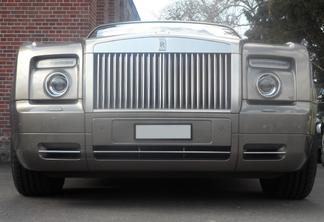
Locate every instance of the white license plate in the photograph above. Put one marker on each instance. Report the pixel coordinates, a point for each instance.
(163, 132)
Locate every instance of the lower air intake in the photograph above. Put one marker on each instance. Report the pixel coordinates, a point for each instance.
(64, 151)
(162, 152)
(264, 151)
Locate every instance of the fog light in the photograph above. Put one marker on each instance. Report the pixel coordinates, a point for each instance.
(268, 85)
(57, 84)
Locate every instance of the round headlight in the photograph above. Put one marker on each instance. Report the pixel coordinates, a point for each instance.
(268, 85)
(57, 84)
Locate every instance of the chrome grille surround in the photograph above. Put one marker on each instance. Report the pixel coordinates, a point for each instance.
(162, 81)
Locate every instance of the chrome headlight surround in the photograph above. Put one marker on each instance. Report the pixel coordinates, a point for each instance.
(274, 85)
(50, 87)
(67, 62)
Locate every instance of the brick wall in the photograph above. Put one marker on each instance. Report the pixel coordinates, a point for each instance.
(116, 11)
(44, 21)
(93, 13)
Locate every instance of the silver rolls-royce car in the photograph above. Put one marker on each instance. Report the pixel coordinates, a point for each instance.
(164, 97)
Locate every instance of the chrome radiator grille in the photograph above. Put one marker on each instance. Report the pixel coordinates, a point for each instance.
(172, 81)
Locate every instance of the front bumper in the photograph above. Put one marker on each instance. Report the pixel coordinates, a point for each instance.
(252, 129)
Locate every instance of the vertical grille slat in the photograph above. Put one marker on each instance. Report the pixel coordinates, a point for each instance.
(148, 81)
(137, 81)
(225, 82)
(170, 81)
(143, 82)
(114, 73)
(180, 81)
(164, 82)
(192, 81)
(204, 81)
(198, 80)
(220, 79)
(154, 81)
(187, 81)
(125, 77)
(108, 80)
(215, 81)
(120, 80)
(103, 81)
(97, 80)
(131, 81)
(209, 81)
(175, 83)
(160, 82)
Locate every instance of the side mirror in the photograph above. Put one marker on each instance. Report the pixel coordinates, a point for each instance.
(321, 94)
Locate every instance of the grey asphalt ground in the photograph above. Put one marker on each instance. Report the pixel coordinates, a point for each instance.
(158, 200)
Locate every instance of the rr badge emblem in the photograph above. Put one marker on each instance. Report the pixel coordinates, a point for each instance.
(163, 45)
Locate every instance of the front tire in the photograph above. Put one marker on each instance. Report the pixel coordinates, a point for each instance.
(322, 150)
(295, 185)
(32, 183)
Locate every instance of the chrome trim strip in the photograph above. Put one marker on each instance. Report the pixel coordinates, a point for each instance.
(59, 151)
(236, 83)
(163, 110)
(262, 153)
(175, 152)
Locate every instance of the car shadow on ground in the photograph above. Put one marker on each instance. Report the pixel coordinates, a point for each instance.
(183, 195)
(162, 190)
